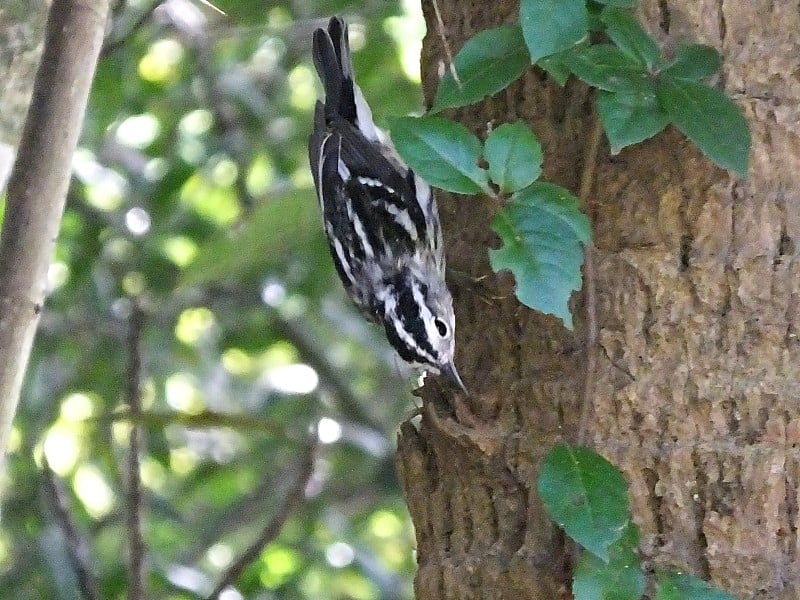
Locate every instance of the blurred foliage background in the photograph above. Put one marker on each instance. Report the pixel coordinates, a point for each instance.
(191, 234)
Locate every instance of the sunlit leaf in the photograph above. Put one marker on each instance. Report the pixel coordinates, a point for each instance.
(279, 562)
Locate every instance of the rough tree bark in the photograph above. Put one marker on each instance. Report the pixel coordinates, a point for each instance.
(691, 386)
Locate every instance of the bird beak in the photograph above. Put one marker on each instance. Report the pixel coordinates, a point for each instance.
(449, 371)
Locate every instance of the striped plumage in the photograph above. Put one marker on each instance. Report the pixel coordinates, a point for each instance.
(380, 219)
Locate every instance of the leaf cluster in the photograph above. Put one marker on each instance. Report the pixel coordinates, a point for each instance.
(639, 93)
(588, 497)
(541, 225)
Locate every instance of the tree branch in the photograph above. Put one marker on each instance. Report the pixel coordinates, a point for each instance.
(294, 498)
(134, 397)
(38, 184)
(119, 41)
(310, 352)
(204, 420)
(77, 548)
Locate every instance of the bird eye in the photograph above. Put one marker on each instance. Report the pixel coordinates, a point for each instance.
(441, 327)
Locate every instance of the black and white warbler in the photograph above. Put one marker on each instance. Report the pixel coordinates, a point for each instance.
(380, 218)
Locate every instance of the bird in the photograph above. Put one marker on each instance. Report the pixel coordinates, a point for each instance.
(380, 218)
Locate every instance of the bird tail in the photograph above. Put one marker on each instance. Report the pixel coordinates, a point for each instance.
(343, 97)
(331, 51)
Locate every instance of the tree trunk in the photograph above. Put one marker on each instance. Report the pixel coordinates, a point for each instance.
(691, 294)
(38, 185)
(21, 33)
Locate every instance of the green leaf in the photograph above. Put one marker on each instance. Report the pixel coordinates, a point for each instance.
(550, 26)
(620, 3)
(555, 66)
(586, 495)
(629, 118)
(486, 64)
(542, 229)
(293, 221)
(514, 156)
(694, 62)
(606, 67)
(620, 578)
(680, 586)
(595, 24)
(625, 31)
(442, 152)
(709, 118)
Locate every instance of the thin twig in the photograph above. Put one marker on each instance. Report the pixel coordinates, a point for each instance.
(310, 352)
(587, 183)
(230, 128)
(77, 547)
(448, 53)
(203, 420)
(294, 498)
(111, 45)
(213, 7)
(239, 515)
(136, 590)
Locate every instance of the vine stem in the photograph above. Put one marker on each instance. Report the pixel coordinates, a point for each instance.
(587, 183)
(447, 51)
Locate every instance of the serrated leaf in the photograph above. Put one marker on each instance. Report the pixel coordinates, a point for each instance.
(606, 67)
(542, 229)
(681, 586)
(486, 64)
(442, 152)
(514, 156)
(550, 26)
(629, 36)
(694, 62)
(585, 495)
(620, 578)
(709, 118)
(629, 118)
